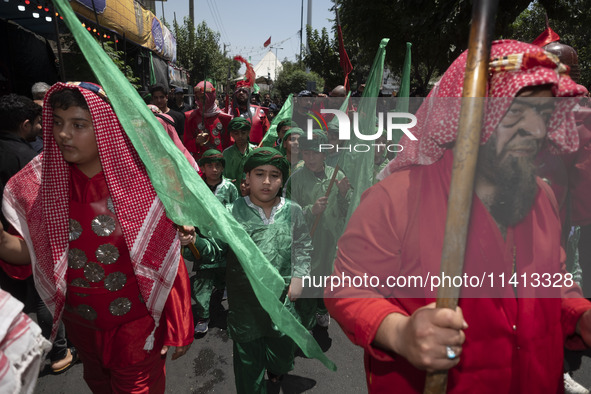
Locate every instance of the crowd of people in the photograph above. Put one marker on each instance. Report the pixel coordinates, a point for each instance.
(85, 241)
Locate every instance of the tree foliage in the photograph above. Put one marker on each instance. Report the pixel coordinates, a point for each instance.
(570, 19)
(78, 69)
(438, 30)
(323, 57)
(292, 79)
(199, 52)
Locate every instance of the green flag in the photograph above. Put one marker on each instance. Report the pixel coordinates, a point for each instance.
(152, 73)
(187, 199)
(333, 124)
(358, 166)
(285, 113)
(404, 93)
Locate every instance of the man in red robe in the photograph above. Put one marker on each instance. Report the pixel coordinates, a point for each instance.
(506, 335)
(105, 257)
(242, 107)
(206, 127)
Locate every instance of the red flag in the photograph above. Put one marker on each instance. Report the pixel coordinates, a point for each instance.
(546, 37)
(267, 43)
(343, 57)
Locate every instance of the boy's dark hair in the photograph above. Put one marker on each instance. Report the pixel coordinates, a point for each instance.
(159, 88)
(15, 109)
(66, 98)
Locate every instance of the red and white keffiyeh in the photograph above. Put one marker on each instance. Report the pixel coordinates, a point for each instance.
(36, 202)
(514, 65)
(211, 108)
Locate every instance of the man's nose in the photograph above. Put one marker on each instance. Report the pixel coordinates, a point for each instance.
(534, 124)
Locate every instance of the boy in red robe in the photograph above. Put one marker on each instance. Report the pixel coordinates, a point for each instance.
(105, 257)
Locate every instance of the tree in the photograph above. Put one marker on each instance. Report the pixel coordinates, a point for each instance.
(438, 31)
(77, 68)
(199, 52)
(323, 57)
(292, 79)
(570, 19)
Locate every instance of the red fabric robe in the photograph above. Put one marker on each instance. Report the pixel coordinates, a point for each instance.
(513, 345)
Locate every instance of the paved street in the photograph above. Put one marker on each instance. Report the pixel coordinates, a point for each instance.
(207, 367)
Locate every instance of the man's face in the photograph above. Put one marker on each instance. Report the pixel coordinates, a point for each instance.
(314, 161)
(240, 136)
(265, 182)
(74, 133)
(506, 161)
(32, 129)
(523, 129)
(213, 171)
(241, 96)
(160, 100)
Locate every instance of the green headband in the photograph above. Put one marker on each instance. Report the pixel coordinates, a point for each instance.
(212, 156)
(319, 137)
(262, 156)
(239, 123)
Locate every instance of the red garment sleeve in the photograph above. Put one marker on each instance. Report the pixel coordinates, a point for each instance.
(370, 246)
(20, 272)
(178, 315)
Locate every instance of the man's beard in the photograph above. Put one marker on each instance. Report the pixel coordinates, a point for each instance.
(515, 183)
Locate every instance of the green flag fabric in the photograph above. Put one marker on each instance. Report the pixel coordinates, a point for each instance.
(358, 166)
(187, 199)
(285, 113)
(152, 73)
(404, 93)
(333, 124)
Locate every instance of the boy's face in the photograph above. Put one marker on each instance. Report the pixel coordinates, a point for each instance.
(74, 133)
(292, 144)
(282, 131)
(240, 136)
(213, 171)
(314, 161)
(160, 100)
(265, 182)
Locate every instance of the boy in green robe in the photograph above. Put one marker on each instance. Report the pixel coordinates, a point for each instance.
(308, 186)
(278, 228)
(211, 267)
(236, 154)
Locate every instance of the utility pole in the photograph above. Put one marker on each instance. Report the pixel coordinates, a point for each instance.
(192, 11)
(301, 32)
(309, 23)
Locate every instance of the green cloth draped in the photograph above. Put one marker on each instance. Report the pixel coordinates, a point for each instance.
(285, 113)
(359, 166)
(186, 197)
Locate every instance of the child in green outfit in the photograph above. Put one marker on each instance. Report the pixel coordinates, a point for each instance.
(211, 266)
(278, 228)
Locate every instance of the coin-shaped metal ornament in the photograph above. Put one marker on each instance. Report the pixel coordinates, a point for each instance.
(76, 258)
(107, 254)
(86, 311)
(215, 132)
(115, 281)
(75, 230)
(110, 205)
(218, 126)
(216, 141)
(103, 225)
(94, 272)
(80, 282)
(201, 126)
(120, 306)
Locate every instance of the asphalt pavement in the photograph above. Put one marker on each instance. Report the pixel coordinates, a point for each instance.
(207, 367)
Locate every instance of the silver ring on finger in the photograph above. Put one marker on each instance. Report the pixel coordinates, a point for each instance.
(450, 354)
